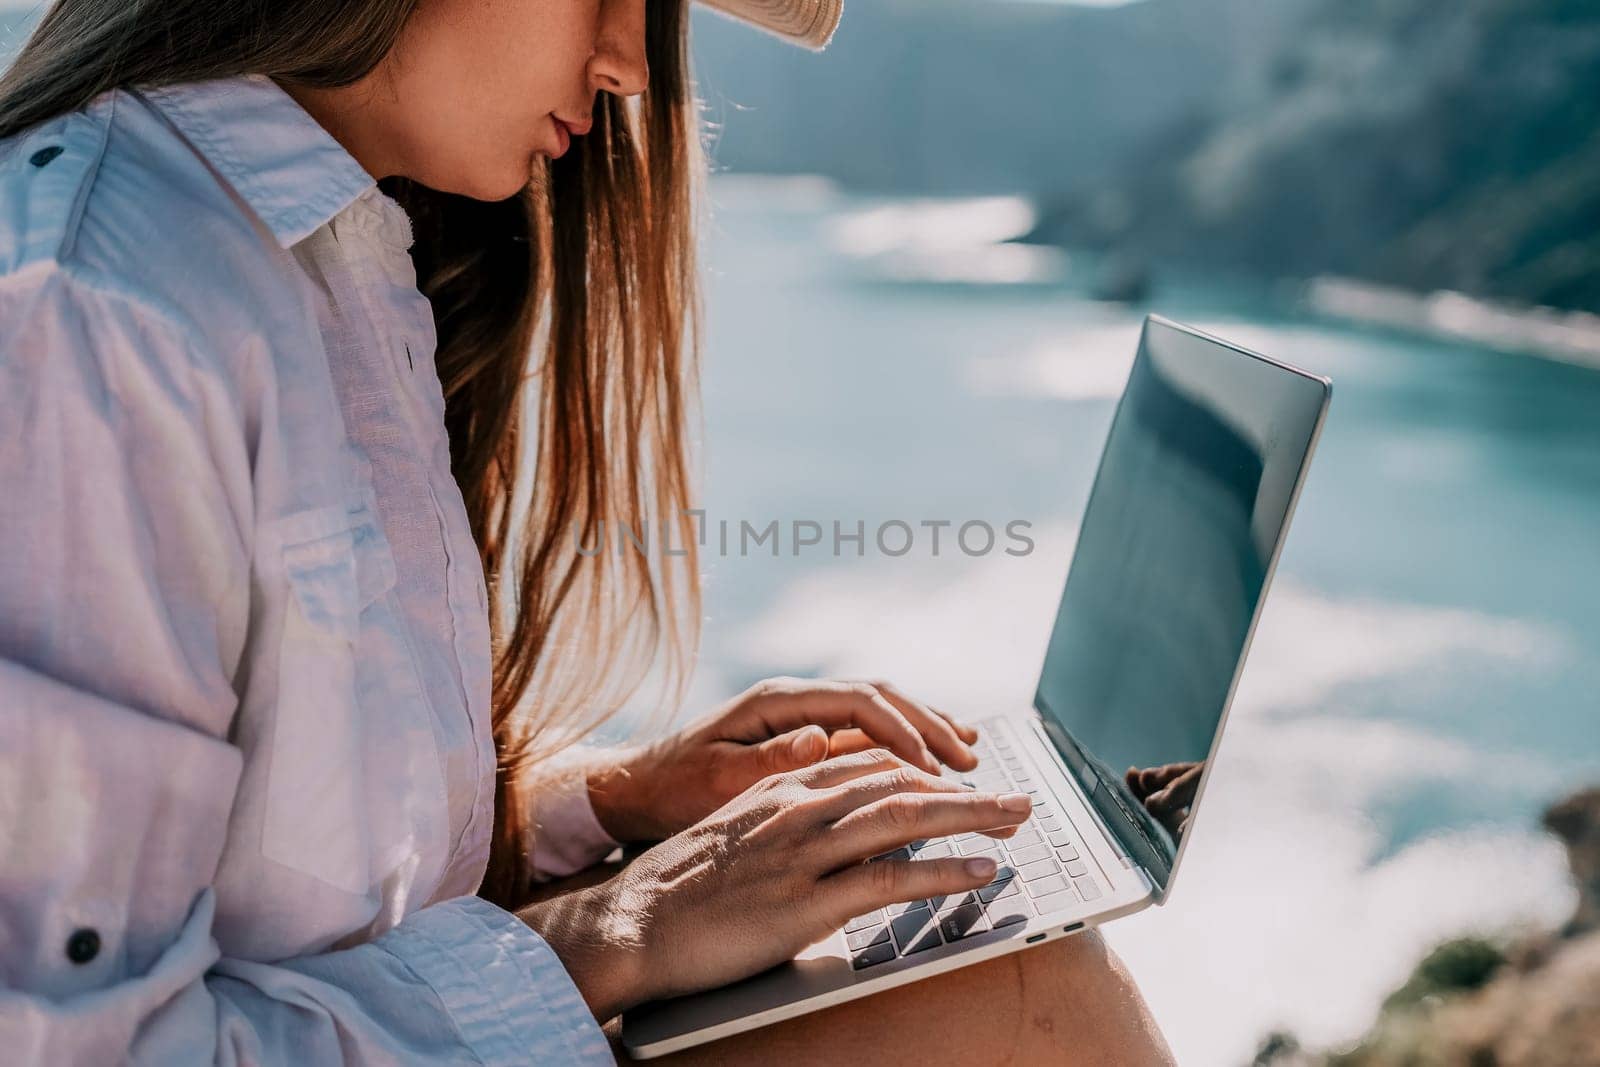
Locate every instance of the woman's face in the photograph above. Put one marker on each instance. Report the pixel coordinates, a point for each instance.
(483, 87)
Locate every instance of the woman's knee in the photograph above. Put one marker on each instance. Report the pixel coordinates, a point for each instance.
(1078, 994)
(1070, 1001)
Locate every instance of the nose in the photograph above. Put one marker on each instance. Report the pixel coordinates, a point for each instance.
(618, 65)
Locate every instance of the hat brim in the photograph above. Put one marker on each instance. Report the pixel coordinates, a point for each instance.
(807, 23)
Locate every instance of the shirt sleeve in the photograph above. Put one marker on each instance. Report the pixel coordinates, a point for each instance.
(566, 835)
(125, 548)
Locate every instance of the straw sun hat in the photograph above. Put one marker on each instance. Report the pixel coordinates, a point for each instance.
(807, 23)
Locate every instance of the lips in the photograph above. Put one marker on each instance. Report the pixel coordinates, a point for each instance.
(566, 131)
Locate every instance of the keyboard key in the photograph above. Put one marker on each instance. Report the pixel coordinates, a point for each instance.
(938, 851)
(988, 853)
(1088, 887)
(1028, 872)
(863, 938)
(1059, 901)
(915, 932)
(961, 839)
(1003, 873)
(1066, 852)
(1023, 838)
(1045, 886)
(950, 903)
(901, 909)
(979, 843)
(1060, 837)
(963, 922)
(893, 854)
(1012, 909)
(997, 890)
(1077, 868)
(1046, 823)
(882, 952)
(1021, 857)
(861, 922)
(1044, 811)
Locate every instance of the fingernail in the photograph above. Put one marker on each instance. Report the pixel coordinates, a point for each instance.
(1016, 802)
(804, 745)
(980, 867)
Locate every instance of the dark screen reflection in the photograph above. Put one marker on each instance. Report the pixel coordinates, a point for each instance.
(1192, 494)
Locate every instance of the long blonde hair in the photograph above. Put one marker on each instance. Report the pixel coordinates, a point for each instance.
(584, 284)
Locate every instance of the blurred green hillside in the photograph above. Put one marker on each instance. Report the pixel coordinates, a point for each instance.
(1410, 142)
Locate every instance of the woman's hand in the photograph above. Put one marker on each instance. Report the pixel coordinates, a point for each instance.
(777, 869)
(1167, 792)
(778, 725)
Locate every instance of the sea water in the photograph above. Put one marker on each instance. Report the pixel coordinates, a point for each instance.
(1425, 677)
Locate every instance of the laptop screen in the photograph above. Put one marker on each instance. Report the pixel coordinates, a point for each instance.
(1194, 491)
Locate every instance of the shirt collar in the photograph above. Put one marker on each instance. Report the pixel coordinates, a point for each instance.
(291, 172)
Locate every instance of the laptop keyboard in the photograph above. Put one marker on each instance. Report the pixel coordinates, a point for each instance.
(1041, 870)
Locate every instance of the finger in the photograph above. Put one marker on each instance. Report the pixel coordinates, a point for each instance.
(1178, 793)
(786, 752)
(1159, 803)
(845, 794)
(846, 741)
(1154, 778)
(843, 705)
(896, 820)
(863, 886)
(869, 776)
(837, 769)
(936, 730)
(968, 734)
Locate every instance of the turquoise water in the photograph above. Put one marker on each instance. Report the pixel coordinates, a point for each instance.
(1448, 477)
(1425, 677)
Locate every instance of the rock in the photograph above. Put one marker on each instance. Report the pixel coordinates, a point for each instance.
(1576, 821)
(1469, 1005)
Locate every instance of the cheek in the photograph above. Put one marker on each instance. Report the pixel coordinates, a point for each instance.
(504, 62)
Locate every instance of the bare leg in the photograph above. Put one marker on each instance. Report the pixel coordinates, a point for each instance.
(1068, 1002)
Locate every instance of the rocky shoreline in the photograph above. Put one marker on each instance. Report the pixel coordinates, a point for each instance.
(1473, 1003)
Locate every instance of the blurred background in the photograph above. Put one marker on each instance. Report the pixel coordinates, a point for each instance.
(929, 251)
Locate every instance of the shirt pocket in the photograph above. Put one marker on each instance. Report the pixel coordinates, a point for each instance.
(336, 563)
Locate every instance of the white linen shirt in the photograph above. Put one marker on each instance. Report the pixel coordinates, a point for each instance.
(245, 759)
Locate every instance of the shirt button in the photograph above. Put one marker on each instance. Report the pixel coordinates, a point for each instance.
(83, 945)
(45, 155)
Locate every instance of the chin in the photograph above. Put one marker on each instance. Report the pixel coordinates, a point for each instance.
(499, 182)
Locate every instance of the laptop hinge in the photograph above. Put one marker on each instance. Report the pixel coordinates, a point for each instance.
(1117, 844)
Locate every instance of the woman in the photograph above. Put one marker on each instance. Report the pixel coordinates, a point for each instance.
(288, 631)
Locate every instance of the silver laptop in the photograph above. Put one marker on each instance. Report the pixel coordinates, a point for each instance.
(1201, 470)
